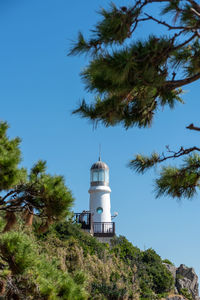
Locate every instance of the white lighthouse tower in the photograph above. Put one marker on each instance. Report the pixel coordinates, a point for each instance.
(100, 207)
(98, 220)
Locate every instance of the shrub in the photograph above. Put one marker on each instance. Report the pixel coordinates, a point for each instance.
(152, 275)
(167, 261)
(35, 273)
(186, 294)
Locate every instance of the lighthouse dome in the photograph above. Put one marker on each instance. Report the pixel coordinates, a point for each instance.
(99, 165)
(99, 173)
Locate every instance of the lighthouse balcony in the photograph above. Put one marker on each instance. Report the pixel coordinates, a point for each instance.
(84, 219)
(103, 229)
(97, 229)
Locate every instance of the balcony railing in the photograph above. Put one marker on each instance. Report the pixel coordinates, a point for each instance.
(104, 229)
(98, 229)
(84, 219)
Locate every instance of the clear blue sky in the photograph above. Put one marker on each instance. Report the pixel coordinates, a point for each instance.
(40, 86)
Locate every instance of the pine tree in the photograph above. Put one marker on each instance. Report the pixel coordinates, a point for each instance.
(26, 271)
(131, 79)
(37, 194)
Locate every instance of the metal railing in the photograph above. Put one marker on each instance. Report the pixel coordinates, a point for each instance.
(98, 229)
(84, 219)
(103, 229)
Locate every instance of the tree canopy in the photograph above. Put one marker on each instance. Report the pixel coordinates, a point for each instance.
(37, 194)
(131, 79)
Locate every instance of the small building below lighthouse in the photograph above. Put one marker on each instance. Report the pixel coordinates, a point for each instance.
(98, 220)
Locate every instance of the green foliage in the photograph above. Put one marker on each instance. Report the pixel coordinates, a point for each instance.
(153, 276)
(107, 277)
(10, 157)
(162, 279)
(167, 261)
(182, 181)
(186, 294)
(179, 276)
(132, 80)
(18, 251)
(115, 25)
(125, 250)
(38, 193)
(142, 163)
(65, 262)
(114, 28)
(90, 245)
(44, 195)
(51, 196)
(129, 82)
(30, 268)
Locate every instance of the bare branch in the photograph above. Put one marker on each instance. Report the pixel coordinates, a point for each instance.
(192, 127)
(170, 27)
(179, 83)
(179, 153)
(196, 13)
(196, 6)
(186, 42)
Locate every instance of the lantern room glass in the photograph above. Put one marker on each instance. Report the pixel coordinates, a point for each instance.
(100, 175)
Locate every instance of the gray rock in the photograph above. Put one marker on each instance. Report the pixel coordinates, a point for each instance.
(186, 278)
(172, 269)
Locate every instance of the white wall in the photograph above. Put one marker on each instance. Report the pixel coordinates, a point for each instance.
(100, 197)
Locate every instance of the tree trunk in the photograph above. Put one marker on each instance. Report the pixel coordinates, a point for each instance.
(44, 227)
(28, 217)
(2, 287)
(11, 220)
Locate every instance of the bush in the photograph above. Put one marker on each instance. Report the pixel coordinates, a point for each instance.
(186, 294)
(152, 275)
(35, 273)
(167, 261)
(65, 261)
(89, 244)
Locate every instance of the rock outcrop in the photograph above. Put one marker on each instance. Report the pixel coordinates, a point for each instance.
(186, 282)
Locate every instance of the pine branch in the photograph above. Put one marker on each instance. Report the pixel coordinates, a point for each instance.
(182, 82)
(142, 163)
(180, 182)
(170, 27)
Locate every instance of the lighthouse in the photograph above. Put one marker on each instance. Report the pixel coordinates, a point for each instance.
(100, 193)
(98, 220)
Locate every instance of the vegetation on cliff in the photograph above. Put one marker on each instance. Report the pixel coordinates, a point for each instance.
(67, 263)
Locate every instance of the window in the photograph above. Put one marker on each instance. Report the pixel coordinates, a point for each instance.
(101, 175)
(99, 210)
(95, 176)
(107, 176)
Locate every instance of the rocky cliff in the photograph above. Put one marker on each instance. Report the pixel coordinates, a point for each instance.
(186, 283)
